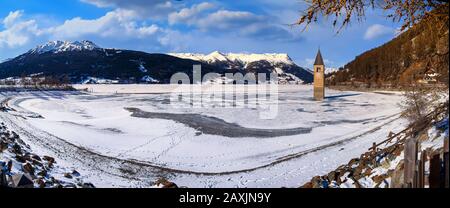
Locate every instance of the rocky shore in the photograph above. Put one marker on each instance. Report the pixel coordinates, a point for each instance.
(384, 166)
(370, 170)
(21, 168)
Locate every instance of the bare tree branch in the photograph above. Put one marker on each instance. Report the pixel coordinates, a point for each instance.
(409, 12)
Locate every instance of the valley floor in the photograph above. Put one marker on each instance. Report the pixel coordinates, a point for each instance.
(129, 136)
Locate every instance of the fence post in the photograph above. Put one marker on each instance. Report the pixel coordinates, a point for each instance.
(374, 153)
(421, 170)
(446, 161)
(435, 171)
(390, 136)
(410, 162)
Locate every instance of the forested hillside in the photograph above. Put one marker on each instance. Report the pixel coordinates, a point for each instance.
(401, 61)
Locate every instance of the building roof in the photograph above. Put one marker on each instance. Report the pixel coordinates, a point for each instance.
(319, 59)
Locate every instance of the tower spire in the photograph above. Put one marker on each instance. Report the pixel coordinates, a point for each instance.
(319, 59)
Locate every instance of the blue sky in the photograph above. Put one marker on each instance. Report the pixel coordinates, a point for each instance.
(199, 26)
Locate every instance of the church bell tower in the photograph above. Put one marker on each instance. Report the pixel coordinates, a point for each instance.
(319, 77)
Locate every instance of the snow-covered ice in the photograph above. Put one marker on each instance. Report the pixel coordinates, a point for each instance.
(341, 127)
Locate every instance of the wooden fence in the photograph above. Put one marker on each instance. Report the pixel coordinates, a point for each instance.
(415, 160)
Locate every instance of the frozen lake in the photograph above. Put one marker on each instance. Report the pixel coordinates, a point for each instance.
(138, 125)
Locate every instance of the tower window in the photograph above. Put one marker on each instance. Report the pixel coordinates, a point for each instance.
(317, 69)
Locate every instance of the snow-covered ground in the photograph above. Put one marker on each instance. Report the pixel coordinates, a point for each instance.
(196, 147)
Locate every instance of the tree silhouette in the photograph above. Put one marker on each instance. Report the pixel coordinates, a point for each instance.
(409, 12)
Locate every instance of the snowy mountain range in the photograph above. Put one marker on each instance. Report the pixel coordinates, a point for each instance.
(64, 46)
(242, 58)
(279, 63)
(82, 60)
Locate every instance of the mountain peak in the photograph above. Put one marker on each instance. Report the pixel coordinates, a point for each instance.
(244, 58)
(63, 46)
(216, 56)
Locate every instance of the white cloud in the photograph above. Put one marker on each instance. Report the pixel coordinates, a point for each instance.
(147, 30)
(225, 19)
(377, 30)
(145, 8)
(115, 25)
(131, 24)
(215, 20)
(118, 23)
(189, 15)
(237, 23)
(17, 32)
(175, 40)
(127, 4)
(204, 17)
(12, 17)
